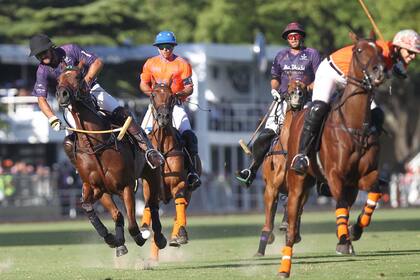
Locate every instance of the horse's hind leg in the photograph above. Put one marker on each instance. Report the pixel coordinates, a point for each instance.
(118, 219)
(365, 217)
(267, 236)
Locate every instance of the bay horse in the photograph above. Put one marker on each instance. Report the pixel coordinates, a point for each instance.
(274, 164)
(106, 166)
(348, 154)
(166, 139)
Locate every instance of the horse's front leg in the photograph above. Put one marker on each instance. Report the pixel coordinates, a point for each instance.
(179, 234)
(294, 206)
(130, 207)
(365, 217)
(109, 204)
(345, 200)
(87, 205)
(271, 195)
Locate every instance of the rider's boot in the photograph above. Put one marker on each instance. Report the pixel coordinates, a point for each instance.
(259, 149)
(377, 119)
(153, 157)
(191, 144)
(311, 126)
(68, 145)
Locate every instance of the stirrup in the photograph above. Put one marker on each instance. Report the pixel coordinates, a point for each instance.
(300, 164)
(193, 180)
(150, 152)
(247, 179)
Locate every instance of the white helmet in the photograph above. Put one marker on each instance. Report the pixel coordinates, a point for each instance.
(407, 39)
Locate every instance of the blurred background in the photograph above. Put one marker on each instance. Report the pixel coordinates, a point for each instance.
(230, 45)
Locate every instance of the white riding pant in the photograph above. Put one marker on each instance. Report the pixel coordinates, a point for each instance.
(179, 119)
(327, 81)
(104, 100)
(276, 116)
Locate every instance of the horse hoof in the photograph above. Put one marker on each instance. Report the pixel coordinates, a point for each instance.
(345, 249)
(121, 251)
(145, 232)
(283, 226)
(283, 275)
(258, 254)
(182, 236)
(161, 242)
(271, 238)
(355, 232)
(174, 242)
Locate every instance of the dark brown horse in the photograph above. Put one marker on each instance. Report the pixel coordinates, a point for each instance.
(106, 166)
(274, 165)
(166, 139)
(347, 157)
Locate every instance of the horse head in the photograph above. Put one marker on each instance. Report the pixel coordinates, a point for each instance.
(367, 64)
(296, 94)
(163, 102)
(69, 88)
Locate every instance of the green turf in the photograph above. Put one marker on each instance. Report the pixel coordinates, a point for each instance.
(221, 247)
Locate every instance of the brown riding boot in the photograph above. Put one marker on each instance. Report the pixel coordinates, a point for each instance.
(153, 157)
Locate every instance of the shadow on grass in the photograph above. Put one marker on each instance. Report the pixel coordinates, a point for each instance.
(195, 233)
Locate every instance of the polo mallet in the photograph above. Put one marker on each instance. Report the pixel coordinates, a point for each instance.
(242, 142)
(375, 27)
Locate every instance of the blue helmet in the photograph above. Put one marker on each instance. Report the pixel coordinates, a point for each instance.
(165, 37)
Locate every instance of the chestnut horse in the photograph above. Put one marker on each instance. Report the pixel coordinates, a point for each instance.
(167, 140)
(348, 155)
(106, 166)
(274, 164)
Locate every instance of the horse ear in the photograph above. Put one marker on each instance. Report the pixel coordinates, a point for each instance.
(353, 37)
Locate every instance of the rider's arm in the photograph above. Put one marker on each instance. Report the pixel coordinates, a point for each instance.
(275, 84)
(186, 80)
(146, 79)
(45, 107)
(94, 70)
(145, 87)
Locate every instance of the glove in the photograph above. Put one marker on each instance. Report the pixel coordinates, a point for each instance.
(276, 95)
(55, 123)
(399, 70)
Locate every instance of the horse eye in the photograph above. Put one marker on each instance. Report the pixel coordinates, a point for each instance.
(359, 50)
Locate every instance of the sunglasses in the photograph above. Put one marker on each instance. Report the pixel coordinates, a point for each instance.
(295, 36)
(41, 55)
(165, 46)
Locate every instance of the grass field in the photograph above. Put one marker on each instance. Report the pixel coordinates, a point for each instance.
(221, 247)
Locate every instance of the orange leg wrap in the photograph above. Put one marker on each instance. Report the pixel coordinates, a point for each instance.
(366, 215)
(147, 217)
(181, 216)
(342, 220)
(286, 260)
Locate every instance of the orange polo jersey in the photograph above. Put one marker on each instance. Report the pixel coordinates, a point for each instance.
(342, 57)
(160, 70)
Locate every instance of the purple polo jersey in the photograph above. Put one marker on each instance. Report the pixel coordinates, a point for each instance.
(69, 55)
(301, 66)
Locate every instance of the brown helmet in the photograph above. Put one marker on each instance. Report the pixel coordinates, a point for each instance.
(293, 27)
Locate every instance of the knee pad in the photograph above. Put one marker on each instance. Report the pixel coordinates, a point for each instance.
(191, 141)
(120, 114)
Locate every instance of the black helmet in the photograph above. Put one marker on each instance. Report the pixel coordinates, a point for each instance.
(293, 27)
(39, 43)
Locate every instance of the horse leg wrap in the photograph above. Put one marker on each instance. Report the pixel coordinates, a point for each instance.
(97, 224)
(366, 215)
(286, 260)
(180, 206)
(147, 217)
(156, 225)
(136, 235)
(119, 229)
(265, 235)
(342, 219)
